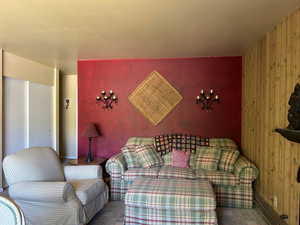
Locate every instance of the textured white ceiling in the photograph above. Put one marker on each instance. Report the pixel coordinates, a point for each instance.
(58, 32)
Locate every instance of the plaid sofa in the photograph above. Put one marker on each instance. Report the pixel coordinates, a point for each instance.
(231, 189)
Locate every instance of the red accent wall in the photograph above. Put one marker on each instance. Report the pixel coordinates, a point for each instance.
(187, 75)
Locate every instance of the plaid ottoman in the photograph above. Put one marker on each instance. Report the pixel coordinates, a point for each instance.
(152, 201)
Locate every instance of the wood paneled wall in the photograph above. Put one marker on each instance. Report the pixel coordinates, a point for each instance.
(271, 70)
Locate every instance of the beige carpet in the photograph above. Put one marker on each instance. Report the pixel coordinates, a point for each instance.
(113, 214)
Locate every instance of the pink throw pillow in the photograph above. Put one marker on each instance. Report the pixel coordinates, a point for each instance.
(180, 159)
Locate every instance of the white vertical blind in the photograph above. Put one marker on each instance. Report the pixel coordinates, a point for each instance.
(28, 115)
(14, 114)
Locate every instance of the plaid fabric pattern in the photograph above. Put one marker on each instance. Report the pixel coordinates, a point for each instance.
(175, 172)
(163, 143)
(185, 142)
(222, 142)
(217, 177)
(148, 156)
(116, 166)
(140, 141)
(228, 159)
(167, 159)
(240, 196)
(245, 170)
(177, 194)
(134, 173)
(150, 216)
(131, 156)
(205, 158)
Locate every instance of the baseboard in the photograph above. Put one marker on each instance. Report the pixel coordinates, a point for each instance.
(271, 215)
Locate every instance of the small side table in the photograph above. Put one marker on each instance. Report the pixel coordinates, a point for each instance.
(97, 161)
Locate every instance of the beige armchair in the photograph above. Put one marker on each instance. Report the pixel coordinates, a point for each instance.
(52, 194)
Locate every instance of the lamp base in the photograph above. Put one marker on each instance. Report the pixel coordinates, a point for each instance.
(90, 157)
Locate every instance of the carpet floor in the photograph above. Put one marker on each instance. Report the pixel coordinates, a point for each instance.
(113, 214)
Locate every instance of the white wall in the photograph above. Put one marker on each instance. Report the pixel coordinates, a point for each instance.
(69, 116)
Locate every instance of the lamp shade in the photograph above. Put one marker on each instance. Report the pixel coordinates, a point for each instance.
(91, 131)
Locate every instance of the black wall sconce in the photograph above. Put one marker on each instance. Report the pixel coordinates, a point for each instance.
(207, 99)
(107, 99)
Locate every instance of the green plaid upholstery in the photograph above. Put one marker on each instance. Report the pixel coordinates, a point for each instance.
(132, 174)
(222, 142)
(240, 196)
(170, 201)
(148, 156)
(228, 159)
(245, 170)
(167, 159)
(131, 156)
(140, 141)
(116, 166)
(177, 194)
(227, 194)
(152, 216)
(217, 177)
(205, 158)
(175, 172)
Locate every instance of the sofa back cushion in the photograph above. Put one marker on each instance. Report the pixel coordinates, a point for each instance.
(223, 143)
(228, 159)
(130, 156)
(140, 141)
(205, 158)
(148, 156)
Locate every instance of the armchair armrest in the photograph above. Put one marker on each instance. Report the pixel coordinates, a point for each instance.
(245, 170)
(42, 191)
(116, 165)
(83, 172)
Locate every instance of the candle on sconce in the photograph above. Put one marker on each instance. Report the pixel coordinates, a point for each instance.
(98, 98)
(217, 97)
(105, 97)
(207, 97)
(211, 91)
(202, 92)
(114, 97)
(103, 92)
(198, 97)
(111, 92)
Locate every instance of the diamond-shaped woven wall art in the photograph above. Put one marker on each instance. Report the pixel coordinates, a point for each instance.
(155, 98)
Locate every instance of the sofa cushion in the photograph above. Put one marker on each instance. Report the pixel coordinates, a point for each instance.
(180, 158)
(228, 159)
(205, 158)
(175, 172)
(148, 156)
(222, 142)
(167, 159)
(217, 177)
(131, 156)
(134, 173)
(140, 141)
(87, 190)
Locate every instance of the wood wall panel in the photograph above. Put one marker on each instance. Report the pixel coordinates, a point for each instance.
(271, 70)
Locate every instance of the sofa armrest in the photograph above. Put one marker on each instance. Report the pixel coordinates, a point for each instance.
(42, 191)
(83, 172)
(116, 165)
(245, 170)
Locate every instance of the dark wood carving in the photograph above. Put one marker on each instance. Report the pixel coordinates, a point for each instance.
(292, 132)
(294, 111)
